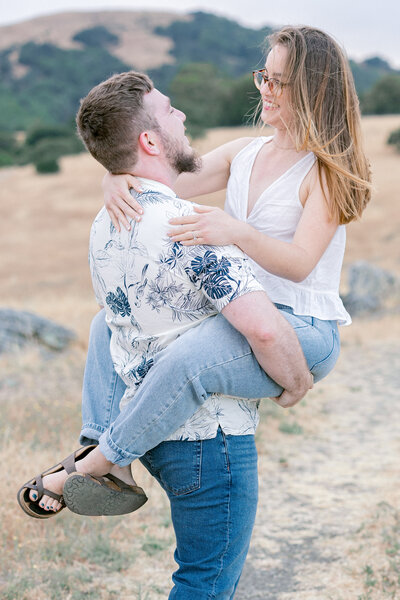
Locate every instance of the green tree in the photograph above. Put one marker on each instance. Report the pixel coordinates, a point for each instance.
(213, 39)
(199, 91)
(384, 97)
(240, 102)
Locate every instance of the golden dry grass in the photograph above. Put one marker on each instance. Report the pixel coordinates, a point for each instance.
(328, 522)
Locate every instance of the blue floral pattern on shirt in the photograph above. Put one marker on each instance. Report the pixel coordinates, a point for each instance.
(153, 289)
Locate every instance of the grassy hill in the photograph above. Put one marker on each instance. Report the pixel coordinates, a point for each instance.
(47, 64)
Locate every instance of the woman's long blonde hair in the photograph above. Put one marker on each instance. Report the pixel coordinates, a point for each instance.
(327, 117)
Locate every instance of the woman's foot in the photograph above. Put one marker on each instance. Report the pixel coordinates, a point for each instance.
(94, 463)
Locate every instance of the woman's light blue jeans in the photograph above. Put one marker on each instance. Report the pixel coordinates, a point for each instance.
(210, 358)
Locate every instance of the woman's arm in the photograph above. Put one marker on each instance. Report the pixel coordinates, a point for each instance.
(214, 173)
(292, 260)
(212, 177)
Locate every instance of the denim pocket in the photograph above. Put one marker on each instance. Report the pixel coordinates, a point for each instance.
(176, 465)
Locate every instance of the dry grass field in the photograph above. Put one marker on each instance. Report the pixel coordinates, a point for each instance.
(328, 525)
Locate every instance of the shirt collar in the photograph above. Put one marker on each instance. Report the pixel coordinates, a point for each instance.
(156, 186)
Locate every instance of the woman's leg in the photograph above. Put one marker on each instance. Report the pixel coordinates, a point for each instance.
(102, 389)
(210, 358)
(101, 394)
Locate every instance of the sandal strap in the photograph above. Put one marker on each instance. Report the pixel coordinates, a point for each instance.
(69, 462)
(42, 491)
(58, 497)
(122, 485)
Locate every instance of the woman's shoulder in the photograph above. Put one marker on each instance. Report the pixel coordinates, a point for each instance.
(241, 145)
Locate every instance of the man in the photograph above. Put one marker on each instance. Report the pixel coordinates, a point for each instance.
(153, 291)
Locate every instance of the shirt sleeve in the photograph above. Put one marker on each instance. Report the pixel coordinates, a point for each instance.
(221, 273)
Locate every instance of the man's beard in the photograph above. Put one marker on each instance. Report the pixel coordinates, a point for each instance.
(180, 160)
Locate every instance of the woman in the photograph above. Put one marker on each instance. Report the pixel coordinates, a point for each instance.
(288, 199)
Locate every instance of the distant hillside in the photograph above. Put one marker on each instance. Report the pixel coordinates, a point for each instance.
(47, 64)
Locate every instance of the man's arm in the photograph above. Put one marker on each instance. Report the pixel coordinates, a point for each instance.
(273, 342)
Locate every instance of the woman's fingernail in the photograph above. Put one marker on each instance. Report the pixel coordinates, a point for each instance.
(42, 504)
(34, 496)
(138, 218)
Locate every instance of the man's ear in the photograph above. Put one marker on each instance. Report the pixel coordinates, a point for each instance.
(148, 141)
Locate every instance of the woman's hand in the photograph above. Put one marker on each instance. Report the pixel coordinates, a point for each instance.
(118, 201)
(210, 225)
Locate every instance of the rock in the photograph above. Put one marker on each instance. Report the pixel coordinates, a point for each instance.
(371, 289)
(17, 328)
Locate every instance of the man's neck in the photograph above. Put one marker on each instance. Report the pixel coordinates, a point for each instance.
(155, 185)
(159, 173)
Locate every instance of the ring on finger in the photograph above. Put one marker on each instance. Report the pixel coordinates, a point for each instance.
(194, 236)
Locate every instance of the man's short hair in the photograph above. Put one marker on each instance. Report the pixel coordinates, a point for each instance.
(112, 117)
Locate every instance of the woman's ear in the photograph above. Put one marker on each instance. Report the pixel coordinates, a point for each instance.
(148, 141)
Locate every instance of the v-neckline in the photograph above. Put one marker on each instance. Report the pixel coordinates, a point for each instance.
(267, 141)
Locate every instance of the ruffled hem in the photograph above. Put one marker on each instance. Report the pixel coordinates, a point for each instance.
(326, 306)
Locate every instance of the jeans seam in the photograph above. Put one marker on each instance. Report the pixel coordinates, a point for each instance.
(329, 353)
(111, 398)
(213, 593)
(94, 427)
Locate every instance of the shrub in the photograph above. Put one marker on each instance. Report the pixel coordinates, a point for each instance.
(39, 132)
(6, 159)
(96, 37)
(8, 149)
(47, 165)
(47, 151)
(394, 138)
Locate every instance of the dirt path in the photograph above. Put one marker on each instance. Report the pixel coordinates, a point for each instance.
(324, 493)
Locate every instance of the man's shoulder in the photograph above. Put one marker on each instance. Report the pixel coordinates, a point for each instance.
(159, 202)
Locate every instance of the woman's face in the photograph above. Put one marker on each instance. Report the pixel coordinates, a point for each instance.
(275, 105)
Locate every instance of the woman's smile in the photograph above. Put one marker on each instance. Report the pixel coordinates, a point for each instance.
(269, 105)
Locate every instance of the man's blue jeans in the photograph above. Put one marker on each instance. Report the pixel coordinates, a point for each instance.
(212, 487)
(210, 358)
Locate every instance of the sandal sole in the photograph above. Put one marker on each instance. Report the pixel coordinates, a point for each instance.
(87, 496)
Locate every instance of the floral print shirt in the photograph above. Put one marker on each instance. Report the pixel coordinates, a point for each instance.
(154, 289)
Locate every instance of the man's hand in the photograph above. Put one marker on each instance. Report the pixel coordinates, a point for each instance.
(290, 398)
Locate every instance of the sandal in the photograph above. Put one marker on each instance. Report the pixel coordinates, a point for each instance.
(32, 507)
(101, 496)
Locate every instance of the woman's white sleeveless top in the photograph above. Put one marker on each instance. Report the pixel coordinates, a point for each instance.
(277, 213)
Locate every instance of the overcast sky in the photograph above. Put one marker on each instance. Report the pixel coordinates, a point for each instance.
(365, 27)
